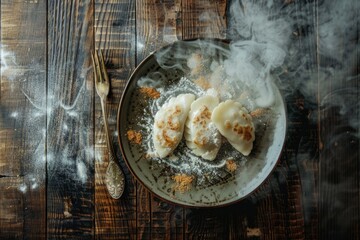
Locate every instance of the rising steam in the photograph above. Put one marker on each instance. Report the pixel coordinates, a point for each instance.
(311, 49)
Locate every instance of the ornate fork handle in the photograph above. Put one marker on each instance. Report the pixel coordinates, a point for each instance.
(114, 178)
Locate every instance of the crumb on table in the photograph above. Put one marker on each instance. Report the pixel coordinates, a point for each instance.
(231, 165)
(134, 136)
(182, 182)
(150, 92)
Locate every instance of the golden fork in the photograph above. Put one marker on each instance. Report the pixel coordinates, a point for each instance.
(114, 178)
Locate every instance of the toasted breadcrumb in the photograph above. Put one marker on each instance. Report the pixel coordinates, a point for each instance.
(182, 182)
(202, 82)
(245, 132)
(258, 112)
(166, 140)
(231, 165)
(150, 92)
(134, 136)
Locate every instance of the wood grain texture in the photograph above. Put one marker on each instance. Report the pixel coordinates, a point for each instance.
(70, 183)
(207, 19)
(339, 118)
(12, 208)
(167, 220)
(339, 159)
(157, 24)
(52, 143)
(22, 118)
(115, 36)
(302, 152)
(338, 180)
(204, 19)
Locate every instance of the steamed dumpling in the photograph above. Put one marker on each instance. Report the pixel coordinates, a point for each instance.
(201, 134)
(169, 124)
(235, 124)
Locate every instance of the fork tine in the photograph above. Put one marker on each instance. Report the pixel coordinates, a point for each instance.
(94, 66)
(98, 68)
(103, 68)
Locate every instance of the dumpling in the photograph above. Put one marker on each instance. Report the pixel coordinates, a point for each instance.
(235, 124)
(201, 134)
(169, 124)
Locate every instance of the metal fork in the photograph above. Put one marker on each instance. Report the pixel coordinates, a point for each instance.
(114, 178)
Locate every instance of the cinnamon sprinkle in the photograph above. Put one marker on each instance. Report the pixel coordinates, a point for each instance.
(231, 165)
(134, 136)
(182, 182)
(202, 82)
(150, 92)
(258, 112)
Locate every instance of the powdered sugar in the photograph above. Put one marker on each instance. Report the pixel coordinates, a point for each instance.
(183, 160)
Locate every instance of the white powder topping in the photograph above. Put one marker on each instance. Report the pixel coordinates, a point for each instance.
(183, 160)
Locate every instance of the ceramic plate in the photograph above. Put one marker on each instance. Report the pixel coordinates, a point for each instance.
(231, 176)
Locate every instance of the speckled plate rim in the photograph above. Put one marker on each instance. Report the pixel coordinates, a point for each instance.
(149, 188)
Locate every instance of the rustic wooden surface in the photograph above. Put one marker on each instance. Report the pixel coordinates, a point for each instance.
(52, 143)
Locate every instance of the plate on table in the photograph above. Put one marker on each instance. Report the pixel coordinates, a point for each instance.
(195, 66)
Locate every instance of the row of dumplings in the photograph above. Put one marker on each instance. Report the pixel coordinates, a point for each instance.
(203, 122)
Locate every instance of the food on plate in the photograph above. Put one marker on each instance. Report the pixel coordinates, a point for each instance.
(169, 124)
(150, 92)
(259, 112)
(182, 182)
(202, 82)
(231, 165)
(201, 134)
(134, 136)
(235, 124)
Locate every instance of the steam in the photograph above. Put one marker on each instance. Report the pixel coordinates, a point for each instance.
(309, 49)
(259, 46)
(6, 58)
(71, 161)
(277, 42)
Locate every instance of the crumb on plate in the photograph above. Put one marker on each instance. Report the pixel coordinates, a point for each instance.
(258, 112)
(134, 136)
(202, 82)
(231, 165)
(182, 182)
(150, 92)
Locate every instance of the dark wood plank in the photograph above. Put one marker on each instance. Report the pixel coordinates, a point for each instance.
(167, 220)
(275, 210)
(300, 85)
(70, 138)
(204, 19)
(22, 120)
(208, 19)
(157, 24)
(339, 96)
(302, 154)
(287, 207)
(11, 208)
(115, 36)
(339, 166)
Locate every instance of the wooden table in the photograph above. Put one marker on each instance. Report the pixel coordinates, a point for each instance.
(52, 143)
